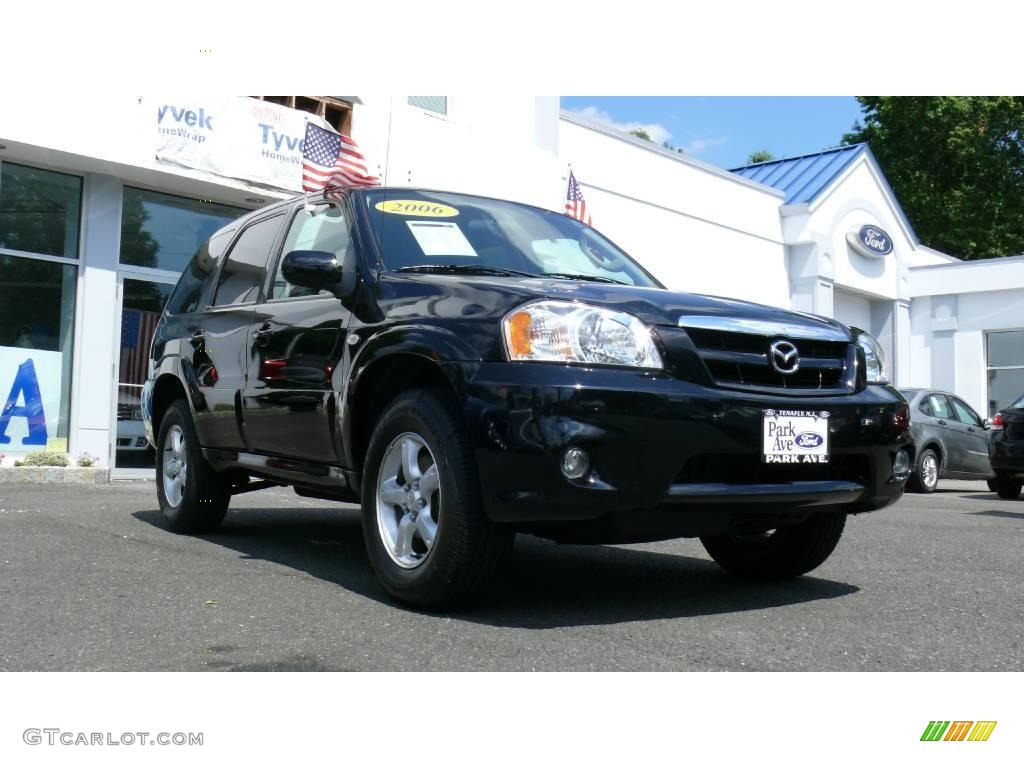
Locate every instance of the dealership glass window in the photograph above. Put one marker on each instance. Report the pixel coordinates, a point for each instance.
(37, 310)
(1005, 356)
(40, 211)
(140, 311)
(435, 104)
(163, 231)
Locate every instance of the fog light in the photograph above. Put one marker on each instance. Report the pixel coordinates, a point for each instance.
(575, 463)
(901, 465)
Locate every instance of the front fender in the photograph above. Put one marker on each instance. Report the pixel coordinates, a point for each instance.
(453, 357)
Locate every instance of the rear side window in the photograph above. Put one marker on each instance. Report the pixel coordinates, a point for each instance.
(193, 280)
(323, 229)
(939, 407)
(246, 264)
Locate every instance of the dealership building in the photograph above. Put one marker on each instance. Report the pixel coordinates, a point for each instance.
(98, 219)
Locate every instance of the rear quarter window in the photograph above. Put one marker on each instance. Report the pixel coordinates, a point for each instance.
(191, 284)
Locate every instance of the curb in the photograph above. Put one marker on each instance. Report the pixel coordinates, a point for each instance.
(40, 475)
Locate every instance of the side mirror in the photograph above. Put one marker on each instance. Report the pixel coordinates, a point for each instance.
(317, 270)
(987, 423)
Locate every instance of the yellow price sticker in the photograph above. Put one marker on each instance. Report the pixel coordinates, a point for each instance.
(417, 208)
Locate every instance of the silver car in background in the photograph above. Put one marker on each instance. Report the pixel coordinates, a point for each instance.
(952, 440)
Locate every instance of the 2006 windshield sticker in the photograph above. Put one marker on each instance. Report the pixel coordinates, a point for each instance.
(417, 208)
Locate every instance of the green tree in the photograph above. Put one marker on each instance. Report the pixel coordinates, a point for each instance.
(760, 156)
(640, 133)
(956, 164)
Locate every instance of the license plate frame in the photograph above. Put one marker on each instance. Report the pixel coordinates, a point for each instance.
(794, 436)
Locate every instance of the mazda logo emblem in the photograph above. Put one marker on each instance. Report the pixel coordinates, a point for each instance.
(784, 357)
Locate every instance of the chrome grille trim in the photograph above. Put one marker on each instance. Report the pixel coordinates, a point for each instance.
(769, 328)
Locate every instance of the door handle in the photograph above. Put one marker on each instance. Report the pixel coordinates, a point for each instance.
(942, 422)
(197, 340)
(970, 429)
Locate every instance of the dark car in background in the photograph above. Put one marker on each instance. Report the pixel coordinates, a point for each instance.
(1006, 450)
(468, 368)
(951, 438)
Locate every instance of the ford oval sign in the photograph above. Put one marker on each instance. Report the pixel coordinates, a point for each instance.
(809, 440)
(871, 241)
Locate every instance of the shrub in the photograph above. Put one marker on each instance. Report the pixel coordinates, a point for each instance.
(43, 459)
(86, 459)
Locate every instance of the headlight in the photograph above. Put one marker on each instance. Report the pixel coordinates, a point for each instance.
(562, 331)
(873, 356)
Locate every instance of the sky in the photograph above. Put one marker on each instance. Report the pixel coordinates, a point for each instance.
(724, 130)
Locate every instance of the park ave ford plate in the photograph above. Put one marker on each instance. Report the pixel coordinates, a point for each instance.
(795, 437)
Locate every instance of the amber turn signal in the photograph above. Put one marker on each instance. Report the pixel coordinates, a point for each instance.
(519, 335)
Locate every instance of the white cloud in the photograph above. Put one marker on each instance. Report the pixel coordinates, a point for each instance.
(658, 133)
(697, 146)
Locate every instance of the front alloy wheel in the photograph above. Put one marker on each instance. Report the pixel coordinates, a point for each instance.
(428, 538)
(408, 500)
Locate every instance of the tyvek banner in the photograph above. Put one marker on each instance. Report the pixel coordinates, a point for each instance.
(29, 397)
(233, 136)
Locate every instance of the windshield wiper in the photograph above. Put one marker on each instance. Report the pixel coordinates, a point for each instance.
(592, 278)
(467, 269)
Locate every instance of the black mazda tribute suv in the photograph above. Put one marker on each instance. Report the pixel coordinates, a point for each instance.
(466, 368)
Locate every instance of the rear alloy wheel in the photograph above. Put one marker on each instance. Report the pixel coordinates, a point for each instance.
(781, 553)
(427, 535)
(1007, 487)
(193, 497)
(925, 478)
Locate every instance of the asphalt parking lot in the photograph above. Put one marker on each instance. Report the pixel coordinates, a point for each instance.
(91, 580)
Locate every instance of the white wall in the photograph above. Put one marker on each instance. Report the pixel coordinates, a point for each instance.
(852, 309)
(954, 306)
(500, 145)
(695, 228)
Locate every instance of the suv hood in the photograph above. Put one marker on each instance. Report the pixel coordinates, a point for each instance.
(483, 296)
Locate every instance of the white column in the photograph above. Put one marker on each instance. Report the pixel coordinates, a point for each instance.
(901, 353)
(95, 368)
(943, 326)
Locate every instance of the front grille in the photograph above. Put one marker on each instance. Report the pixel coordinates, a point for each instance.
(751, 470)
(741, 359)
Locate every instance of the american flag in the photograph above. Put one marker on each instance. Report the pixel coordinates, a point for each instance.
(137, 329)
(575, 205)
(330, 158)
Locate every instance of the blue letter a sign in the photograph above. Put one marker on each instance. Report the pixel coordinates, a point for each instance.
(25, 385)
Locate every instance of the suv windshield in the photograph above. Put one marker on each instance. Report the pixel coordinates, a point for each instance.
(461, 234)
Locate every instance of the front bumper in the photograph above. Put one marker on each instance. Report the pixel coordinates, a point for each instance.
(669, 457)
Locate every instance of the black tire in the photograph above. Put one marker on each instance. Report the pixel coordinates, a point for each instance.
(992, 485)
(784, 553)
(1007, 487)
(468, 550)
(205, 494)
(918, 478)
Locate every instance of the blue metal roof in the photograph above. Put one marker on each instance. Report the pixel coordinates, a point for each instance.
(803, 178)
